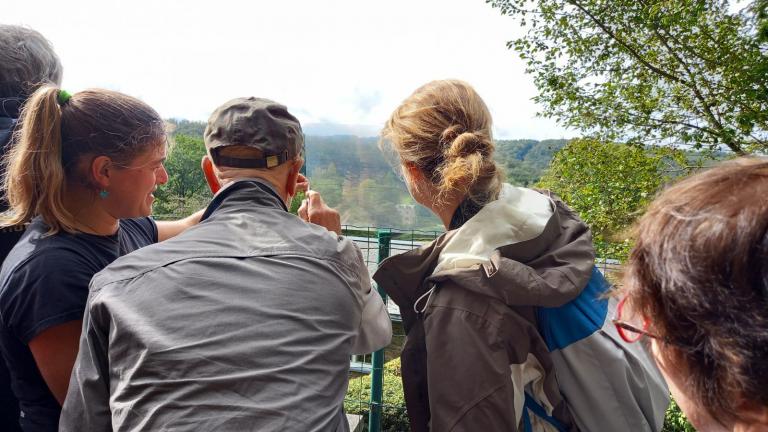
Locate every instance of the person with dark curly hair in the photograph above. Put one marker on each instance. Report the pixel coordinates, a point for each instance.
(696, 290)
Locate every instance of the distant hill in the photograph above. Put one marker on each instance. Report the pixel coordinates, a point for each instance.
(525, 160)
(325, 129)
(354, 176)
(356, 156)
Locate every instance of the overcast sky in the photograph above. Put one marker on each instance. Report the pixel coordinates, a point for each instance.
(339, 61)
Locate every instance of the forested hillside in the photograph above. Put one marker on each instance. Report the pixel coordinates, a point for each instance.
(524, 161)
(349, 171)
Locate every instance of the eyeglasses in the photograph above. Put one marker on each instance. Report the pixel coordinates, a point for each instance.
(634, 327)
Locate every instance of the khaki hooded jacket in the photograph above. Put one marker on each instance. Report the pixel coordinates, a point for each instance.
(474, 351)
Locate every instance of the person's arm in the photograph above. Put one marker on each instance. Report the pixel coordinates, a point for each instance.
(55, 350)
(375, 326)
(86, 407)
(168, 229)
(375, 330)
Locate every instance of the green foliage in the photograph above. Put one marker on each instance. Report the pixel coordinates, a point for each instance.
(524, 161)
(394, 417)
(761, 15)
(186, 190)
(608, 185)
(186, 127)
(296, 203)
(651, 72)
(675, 421)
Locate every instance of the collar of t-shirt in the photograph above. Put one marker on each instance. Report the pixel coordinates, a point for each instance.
(260, 191)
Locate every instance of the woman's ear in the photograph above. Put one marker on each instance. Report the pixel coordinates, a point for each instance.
(413, 172)
(100, 170)
(210, 174)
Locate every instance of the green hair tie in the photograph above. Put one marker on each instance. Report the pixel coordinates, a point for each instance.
(64, 96)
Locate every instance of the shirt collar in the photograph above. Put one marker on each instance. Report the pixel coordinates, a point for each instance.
(248, 188)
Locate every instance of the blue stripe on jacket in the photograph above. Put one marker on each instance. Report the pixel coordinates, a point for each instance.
(577, 319)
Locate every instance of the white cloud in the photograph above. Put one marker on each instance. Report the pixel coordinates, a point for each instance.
(340, 61)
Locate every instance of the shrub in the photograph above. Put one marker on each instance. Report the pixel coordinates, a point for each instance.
(675, 421)
(393, 416)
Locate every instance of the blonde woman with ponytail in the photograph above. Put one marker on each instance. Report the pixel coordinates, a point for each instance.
(507, 325)
(81, 173)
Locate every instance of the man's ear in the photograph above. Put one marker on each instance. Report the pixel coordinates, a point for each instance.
(293, 177)
(100, 170)
(210, 174)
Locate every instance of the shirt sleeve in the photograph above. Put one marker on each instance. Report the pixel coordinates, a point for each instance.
(145, 227)
(375, 330)
(51, 289)
(86, 407)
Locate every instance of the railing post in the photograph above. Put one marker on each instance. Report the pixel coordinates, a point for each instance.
(377, 361)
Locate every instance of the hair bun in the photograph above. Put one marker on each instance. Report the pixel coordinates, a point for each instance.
(449, 135)
(468, 143)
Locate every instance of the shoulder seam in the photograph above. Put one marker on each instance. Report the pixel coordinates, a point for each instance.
(134, 275)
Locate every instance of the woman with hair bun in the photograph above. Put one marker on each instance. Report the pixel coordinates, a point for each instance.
(81, 172)
(505, 313)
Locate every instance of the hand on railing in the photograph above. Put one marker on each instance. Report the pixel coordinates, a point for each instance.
(313, 209)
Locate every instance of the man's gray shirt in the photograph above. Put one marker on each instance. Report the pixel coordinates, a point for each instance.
(243, 322)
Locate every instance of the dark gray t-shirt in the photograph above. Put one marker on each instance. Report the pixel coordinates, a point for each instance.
(44, 283)
(9, 405)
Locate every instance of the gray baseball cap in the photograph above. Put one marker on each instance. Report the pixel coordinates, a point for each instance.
(254, 122)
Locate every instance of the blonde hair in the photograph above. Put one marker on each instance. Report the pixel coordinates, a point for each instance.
(53, 140)
(444, 129)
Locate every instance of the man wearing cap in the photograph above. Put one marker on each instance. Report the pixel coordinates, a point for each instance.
(244, 322)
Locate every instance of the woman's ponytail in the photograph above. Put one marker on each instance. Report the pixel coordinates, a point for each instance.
(34, 177)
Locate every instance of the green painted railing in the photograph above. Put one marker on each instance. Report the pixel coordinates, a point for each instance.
(377, 361)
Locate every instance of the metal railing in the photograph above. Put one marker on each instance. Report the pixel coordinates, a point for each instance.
(377, 244)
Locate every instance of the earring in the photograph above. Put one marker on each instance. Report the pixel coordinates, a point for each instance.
(103, 193)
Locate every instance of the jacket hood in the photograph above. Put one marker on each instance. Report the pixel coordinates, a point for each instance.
(526, 249)
(518, 215)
